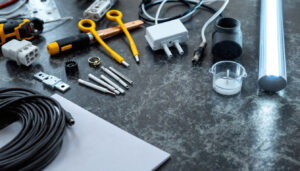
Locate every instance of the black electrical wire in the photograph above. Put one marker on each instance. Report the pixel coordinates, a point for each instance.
(148, 4)
(43, 125)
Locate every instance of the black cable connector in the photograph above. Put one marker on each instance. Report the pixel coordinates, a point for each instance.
(44, 122)
(71, 68)
(199, 54)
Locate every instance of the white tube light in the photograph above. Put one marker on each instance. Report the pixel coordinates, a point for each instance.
(272, 64)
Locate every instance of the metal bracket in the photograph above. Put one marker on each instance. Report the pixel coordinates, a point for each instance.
(52, 81)
(45, 10)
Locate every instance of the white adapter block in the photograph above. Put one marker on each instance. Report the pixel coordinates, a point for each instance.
(23, 52)
(98, 9)
(165, 35)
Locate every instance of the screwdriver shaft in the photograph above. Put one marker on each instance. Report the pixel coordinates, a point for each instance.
(112, 84)
(121, 75)
(93, 86)
(94, 78)
(114, 76)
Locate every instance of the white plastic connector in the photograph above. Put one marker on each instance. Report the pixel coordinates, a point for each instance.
(23, 52)
(98, 9)
(165, 35)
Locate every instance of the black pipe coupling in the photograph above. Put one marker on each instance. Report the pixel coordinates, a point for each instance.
(227, 39)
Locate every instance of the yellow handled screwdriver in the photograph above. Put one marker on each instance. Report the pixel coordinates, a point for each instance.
(115, 15)
(87, 25)
(82, 40)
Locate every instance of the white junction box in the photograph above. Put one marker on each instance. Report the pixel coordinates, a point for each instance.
(98, 9)
(23, 52)
(165, 35)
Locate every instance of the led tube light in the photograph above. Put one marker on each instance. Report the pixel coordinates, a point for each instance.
(272, 64)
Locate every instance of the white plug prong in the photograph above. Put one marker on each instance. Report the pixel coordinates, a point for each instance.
(178, 47)
(167, 50)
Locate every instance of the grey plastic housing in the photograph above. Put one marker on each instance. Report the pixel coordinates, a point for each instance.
(98, 9)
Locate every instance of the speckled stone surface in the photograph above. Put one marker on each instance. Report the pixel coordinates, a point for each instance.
(172, 105)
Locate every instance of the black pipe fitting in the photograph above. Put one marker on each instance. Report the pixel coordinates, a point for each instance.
(227, 39)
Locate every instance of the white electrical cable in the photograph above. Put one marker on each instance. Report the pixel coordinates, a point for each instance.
(160, 1)
(199, 52)
(148, 15)
(183, 18)
(212, 18)
(14, 9)
(158, 11)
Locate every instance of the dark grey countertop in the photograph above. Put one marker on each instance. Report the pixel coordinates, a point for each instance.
(172, 105)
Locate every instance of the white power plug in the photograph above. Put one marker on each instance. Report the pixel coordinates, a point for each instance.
(98, 9)
(165, 35)
(23, 52)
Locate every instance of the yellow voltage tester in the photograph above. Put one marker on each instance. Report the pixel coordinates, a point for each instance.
(20, 29)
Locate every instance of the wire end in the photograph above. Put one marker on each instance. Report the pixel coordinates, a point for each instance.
(137, 59)
(69, 118)
(125, 64)
(199, 54)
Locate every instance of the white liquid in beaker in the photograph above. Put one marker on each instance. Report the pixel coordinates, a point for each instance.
(228, 77)
(226, 85)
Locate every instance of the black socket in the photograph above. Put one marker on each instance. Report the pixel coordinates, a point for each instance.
(71, 68)
(227, 39)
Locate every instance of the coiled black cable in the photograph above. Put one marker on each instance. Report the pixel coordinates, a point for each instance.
(43, 125)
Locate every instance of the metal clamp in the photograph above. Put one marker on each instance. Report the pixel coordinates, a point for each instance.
(94, 61)
(52, 81)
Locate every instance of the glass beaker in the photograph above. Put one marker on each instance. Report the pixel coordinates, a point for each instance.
(228, 77)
